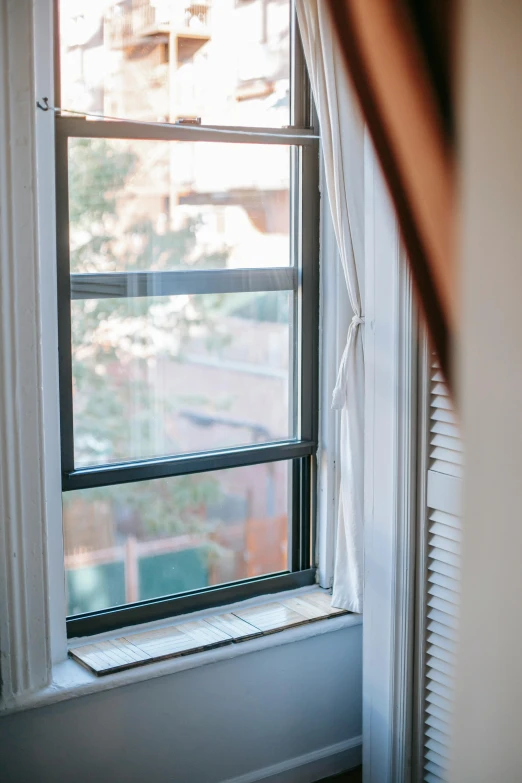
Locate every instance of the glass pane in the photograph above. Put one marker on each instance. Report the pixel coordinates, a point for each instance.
(139, 541)
(175, 374)
(226, 62)
(153, 205)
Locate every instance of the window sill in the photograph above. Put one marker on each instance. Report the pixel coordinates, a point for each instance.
(71, 680)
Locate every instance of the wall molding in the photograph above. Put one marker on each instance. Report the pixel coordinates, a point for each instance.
(390, 490)
(421, 547)
(406, 483)
(309, 767)
(23, 611)
(27, 359)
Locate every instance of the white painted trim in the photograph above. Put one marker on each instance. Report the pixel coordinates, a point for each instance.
(46, 224)
(335, 314)
(419, 689)
(24, 511)
(406, 520)
(390, 482)
(310, 766)
(70, 680)
(32, 594)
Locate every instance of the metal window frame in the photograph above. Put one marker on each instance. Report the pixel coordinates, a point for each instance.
(302, 279)
(112, 285)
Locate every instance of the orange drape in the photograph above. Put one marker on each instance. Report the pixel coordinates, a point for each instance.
(399, 59)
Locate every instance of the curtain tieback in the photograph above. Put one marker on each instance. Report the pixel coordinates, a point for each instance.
(339, 393)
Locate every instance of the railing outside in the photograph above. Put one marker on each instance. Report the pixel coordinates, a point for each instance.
(146, 18)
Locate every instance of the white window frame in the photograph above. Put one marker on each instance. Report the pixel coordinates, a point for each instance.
(391, 425)
(32, 595)
(32, 599)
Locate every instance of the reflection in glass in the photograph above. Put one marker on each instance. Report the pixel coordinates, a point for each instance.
(226, 62)
(153, 205)
(176, 374)
(149, 539)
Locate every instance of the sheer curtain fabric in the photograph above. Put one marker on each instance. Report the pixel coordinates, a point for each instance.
(342, 134)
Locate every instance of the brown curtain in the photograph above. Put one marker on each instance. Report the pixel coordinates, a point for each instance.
(399, 55)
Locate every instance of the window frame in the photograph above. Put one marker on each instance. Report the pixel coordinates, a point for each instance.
(302, 279)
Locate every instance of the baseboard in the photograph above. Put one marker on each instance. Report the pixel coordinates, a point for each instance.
(309, 767)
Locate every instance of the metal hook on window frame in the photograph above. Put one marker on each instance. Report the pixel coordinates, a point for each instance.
(45, 106)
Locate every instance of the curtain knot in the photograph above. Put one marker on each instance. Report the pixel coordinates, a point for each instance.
(339, 393)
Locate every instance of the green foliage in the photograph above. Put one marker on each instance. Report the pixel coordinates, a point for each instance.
(97, 171)
(171, 249)
(158, 507)
(118, 344)
(105, 234)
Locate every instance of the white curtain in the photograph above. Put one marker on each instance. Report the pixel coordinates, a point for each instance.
(342, 134)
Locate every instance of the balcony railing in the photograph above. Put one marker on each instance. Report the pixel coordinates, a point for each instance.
(146, 19)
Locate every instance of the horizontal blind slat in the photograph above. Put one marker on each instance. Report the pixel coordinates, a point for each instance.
(446, 614)
(445, 537)
(446, 468)
(439, 664)
(434, 578)
(438, 747)
(449, 534)
(429, 777)
(442, 414)
(441, 641)
(439, 701)
(440, 690)
(444, 542)
(446, 442)
(444, 594)
(443, 454)
(436, 515)
(439, 551)
(440, 653)
(442, 588)
(444, 428)
(441, 726)
(441, 403)
(438, 677)
(436, 711)
(438, 567)
(441, 628)
(435, 769)
(432, 755)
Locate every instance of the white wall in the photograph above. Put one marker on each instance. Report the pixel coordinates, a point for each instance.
(296, 706)
(488, 734)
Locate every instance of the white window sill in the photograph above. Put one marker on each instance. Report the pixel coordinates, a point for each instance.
(71, 680)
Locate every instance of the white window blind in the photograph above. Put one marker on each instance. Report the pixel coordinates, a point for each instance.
(445, 443)
(442, 578)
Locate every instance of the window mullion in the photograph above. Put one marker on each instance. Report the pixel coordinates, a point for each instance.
(64, 302)
(308, 241)
(111, 285)
(80, 127)
(184, 464)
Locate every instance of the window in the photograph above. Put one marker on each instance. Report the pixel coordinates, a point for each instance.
(187, 218)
